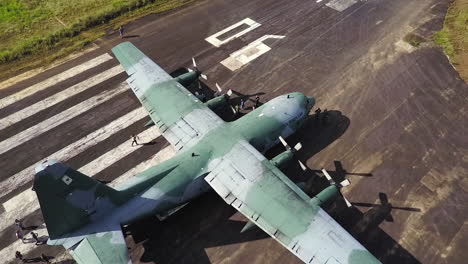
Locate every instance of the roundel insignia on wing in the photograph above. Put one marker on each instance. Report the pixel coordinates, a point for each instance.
(67, 180)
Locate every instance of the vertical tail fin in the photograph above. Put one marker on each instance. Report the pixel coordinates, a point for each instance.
(69, 198)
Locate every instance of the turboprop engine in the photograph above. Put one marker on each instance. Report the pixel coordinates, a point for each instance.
(193, 74)
(284, 157)
(220, 99)
(330, 193)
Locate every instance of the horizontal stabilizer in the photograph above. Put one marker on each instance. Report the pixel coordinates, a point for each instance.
(105, 247)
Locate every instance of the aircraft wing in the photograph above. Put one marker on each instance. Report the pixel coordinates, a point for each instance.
(106, 247)
(249, 182)
(181, 118)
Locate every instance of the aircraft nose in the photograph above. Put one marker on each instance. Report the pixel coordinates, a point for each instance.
(310, 102)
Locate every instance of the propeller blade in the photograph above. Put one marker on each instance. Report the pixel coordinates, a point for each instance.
(284, 143)
(303, 167)
(219, 88)
(329, 178)
(346, 201)
(345, 183)
(298, 146)
(194, 63)
(233, 110)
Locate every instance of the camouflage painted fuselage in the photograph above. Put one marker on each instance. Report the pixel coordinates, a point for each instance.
(281, 116)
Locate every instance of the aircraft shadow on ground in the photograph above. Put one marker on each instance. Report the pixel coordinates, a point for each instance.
(363, 226)
(185, 236)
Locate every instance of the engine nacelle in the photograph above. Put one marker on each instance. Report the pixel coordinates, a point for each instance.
(327, 196)
(282, 159)
(187, 78)
(217, 102)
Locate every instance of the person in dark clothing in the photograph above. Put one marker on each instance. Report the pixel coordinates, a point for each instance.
(242, 104)
(19, 224)
(44, 258)
(121, 31)
(257, 101)
(34, 236)
(18, 255)
(134, 140)
(317, 114)
(19, 235)
(325, 117)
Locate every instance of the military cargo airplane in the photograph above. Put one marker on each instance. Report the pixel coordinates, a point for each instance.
(86, 216)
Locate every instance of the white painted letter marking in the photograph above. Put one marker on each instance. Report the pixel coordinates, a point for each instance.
(213, 39)
(248, 53)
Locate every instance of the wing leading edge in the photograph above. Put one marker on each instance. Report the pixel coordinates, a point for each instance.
(245, 179)
(180, 117)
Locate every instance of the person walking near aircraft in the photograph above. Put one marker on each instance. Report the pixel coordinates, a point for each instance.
(19, 235)
(257, 101)
(134, 140)
(19, 224)
(325, 117)
(317, 114)
(242, 104)
(35, 238)
(19, 256)
(121, 31)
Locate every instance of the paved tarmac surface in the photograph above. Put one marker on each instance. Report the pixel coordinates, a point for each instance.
(396, 127)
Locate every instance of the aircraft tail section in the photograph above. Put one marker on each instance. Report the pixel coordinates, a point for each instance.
(69, 198)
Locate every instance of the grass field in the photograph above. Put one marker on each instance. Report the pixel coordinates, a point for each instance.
(33, 31)
(454, 36)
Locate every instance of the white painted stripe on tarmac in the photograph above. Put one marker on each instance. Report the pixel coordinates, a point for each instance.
(113, 155)
(53, 80)
(7, 254)
(34, 72)
(341, 5)
(94, 166)
(25, 203)
(60, 118)
(58, 97)
(21, 203)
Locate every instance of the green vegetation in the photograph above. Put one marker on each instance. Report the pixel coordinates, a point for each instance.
(453, 38)
(47, 29)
